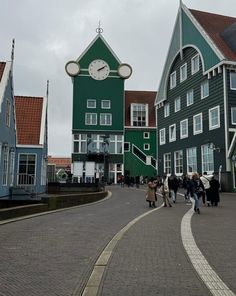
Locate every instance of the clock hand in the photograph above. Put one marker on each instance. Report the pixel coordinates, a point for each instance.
(102, 68)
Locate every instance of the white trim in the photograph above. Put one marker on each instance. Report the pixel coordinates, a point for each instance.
(148, 146)
(166, 108)
(29, 146)
(91, 100)
(189, 91)
(102, 101)
(43, 121)
(232, 130)
(232, 88)
(4, 81)
(172, 139)
(232, 108)
(177, 100)
(193, 70)
(210, 117)
(163, 130)
(180, 151)
(203, 84)
(232, 145)
(173, 79)
(185, 67)
(148, 135)
(106, 116)
(86, 118)
(228, 164)
(140, 127)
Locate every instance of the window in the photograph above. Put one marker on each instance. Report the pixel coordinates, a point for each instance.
(178, 162)
(8, 113)
(167, 163)
(233, 115)
(11, 168)
(167, 110)
(127, 146)
(90, 119)
(91, 103)
(195, 64)
(205, 89)
(5, 165)
(106, 104)
(192, 160)
(207, 159)
(146, 135)
(173, 80)
(197, 124)
(184, 129)
(105, 119)
(146, 146)
(172, 133)
(189, 97)
(233, 80)
(162, 135)
(139, 114)
(80, 143)
(214, 117)
(177, 104)
(183, 72)
(27, 169)
(116, 144)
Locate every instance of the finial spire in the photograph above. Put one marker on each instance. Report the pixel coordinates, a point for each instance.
(12, 49)
(99, 30)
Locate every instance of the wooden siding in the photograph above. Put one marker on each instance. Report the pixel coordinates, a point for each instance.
(231, 100)
(214, 99)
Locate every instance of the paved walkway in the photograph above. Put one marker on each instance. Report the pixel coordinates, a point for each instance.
(55, 254)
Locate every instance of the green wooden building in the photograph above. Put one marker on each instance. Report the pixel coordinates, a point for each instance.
(98, 123)
(196, 100)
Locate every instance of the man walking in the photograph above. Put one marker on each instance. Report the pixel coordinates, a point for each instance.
(206, 183)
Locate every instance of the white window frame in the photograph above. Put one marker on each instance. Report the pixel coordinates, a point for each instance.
(196, 132)
(193, 68)
(104, 102)
(11, 168)
(5, 165)
(211, 127)
(207, 155)
(162, 136)
(191, 159)
(178, 160)
(173, 80)
(172, 127)
(233, 87)
(91, 101)
(166, 109)
(183, 72)
(89, 119)
(233, 115)
(146, 135)
(25, 178)
(146, 146)
(133, 105)
(167, 163)
(116, 141)
(182, 134)
(82, 140)
(203, 84)
(177, 104)
(106, 119)
(189, 97)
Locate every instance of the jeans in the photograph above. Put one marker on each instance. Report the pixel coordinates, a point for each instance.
(195, 196)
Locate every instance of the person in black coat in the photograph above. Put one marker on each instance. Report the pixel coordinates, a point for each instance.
(214, 191)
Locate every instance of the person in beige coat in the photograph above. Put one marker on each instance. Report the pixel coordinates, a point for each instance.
(164, 189)
(151, 193)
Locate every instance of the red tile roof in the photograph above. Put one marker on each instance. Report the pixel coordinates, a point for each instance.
(28, 119)
(59, 161)
(2, 67)
(214, 25)
(140, 97)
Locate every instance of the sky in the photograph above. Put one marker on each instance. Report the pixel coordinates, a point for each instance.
(50, 33)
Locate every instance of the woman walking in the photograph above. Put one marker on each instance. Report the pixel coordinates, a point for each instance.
(196, 188)
(165, 191)
(151, 193)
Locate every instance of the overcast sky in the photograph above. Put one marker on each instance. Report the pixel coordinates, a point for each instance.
(51, 32)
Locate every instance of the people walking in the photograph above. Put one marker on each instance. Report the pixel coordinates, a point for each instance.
(214, 191)
(186, 187)
(173, 184)
(196, 188)
(151, 193)
(164, 189)
(206, 184)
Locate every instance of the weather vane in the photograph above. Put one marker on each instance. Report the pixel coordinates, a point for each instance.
(99, 30)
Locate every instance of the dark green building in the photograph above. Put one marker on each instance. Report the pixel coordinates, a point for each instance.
(98, 124)
(196, 101)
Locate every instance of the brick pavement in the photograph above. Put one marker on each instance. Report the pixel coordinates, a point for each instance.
(54, 254)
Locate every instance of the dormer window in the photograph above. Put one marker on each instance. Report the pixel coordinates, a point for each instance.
(173, 80)
(139, 114)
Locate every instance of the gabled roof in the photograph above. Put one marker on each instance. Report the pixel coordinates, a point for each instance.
(214, 25)
(29, 112)
(140, 97)
(59, 161)
(2, 67)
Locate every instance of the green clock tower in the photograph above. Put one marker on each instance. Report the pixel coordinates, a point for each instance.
(98, 112)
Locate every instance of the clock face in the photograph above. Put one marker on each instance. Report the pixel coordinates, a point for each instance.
(72, 68)
(124, 70)
(99, 69)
